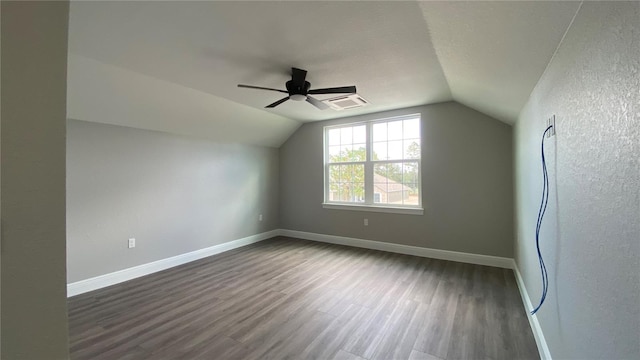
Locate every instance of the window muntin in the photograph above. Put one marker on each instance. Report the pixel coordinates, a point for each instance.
(376, 163)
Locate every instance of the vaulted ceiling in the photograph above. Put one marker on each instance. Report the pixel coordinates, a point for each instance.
(174, 65)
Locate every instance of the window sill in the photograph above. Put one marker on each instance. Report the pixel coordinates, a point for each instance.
(373, 208)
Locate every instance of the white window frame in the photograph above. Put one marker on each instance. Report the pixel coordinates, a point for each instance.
(369, 163)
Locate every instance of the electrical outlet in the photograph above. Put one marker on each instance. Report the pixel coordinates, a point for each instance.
(132, 243)
(260, 217)
(366, 222)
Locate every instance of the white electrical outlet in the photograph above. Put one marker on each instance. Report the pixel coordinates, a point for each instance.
(132, 243)
(260, 217)
(366, 222)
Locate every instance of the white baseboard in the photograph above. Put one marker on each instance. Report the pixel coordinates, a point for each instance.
(116, 277)
(543, 349)
(487, 260)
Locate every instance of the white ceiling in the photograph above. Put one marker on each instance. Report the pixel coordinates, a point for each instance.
(493, 53)
(486, 55)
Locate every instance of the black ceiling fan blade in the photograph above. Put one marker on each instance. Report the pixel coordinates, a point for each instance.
(298, 76)
(317, 103)
(335, 90)
(277, 102)
(261, 88)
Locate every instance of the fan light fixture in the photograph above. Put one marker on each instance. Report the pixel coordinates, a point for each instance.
(298, 97)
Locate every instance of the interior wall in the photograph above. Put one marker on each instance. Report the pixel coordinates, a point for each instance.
(466, 185)
(591, 232)
(173, 194)
(33, 106)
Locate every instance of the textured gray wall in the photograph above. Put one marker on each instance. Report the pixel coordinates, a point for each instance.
(173, 193)
(591, 232)
(466, 179)
(34, 64)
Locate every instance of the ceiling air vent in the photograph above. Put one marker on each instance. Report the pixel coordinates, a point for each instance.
(346, 102)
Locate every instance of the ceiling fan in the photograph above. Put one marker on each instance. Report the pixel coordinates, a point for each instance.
(298, 90)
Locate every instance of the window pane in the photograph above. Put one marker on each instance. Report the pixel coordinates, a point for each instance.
(345, 152)
(387, 182)
(411, 128)
(394, 150)
(346, 135)
(380, 182)
(360, 134)
(379, 151)
(340, 192)
(334, 152)
(380, 193)
(410, 172)
(334, 183)
(359, 152)
(380, 169)
(412, 148)
(380, 132)
(357, 192)
(344, 174)
(334, 173)
(414, 196)
(357, 173)
(394, 130)
(394, 172)
(334, 137)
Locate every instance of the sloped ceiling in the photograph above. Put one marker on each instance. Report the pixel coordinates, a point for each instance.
(486, 55)
(493, 53)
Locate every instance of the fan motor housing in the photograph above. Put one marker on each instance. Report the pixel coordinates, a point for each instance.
(297, 89)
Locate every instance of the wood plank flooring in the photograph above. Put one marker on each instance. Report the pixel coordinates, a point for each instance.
(294, 299)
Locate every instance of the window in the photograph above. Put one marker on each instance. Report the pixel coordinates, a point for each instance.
(374, 165)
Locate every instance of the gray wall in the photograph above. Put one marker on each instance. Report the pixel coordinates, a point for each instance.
(34, 64)
(174, 194)
(591, 232)
(466, 180)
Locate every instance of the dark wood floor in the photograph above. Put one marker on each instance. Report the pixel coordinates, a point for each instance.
(293, 299)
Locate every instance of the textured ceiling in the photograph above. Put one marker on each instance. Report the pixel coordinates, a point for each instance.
(486, 55)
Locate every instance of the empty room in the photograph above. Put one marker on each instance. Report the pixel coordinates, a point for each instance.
(351, 180)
